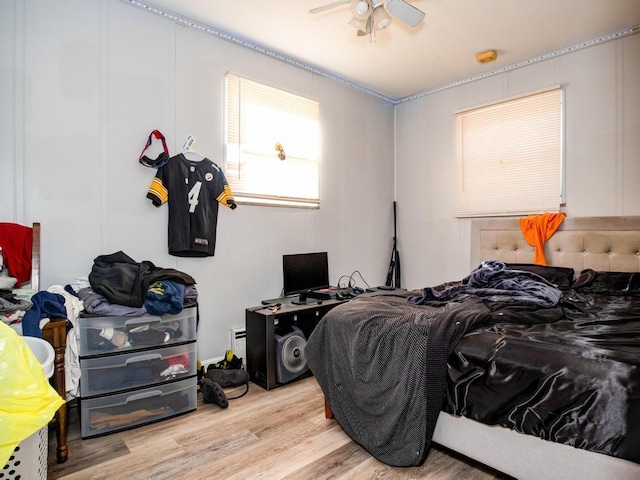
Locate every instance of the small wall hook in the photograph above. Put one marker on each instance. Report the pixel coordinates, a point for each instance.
(280, 150)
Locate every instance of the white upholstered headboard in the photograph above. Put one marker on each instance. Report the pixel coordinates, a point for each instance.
(600, 243)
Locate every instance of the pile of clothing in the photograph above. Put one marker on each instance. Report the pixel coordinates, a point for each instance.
(123, 281)
(116, 286)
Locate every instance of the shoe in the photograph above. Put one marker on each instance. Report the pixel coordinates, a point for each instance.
(230, 361)
(213, 393)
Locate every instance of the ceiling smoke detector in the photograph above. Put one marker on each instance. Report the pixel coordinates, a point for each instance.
(488, 56)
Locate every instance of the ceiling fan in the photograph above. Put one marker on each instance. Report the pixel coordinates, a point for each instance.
(372, 15)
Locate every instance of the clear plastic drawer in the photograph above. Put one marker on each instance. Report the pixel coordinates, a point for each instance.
(103, 335)
(112, 413)
(100, 375)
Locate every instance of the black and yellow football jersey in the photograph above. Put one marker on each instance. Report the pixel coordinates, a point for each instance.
(193, 189)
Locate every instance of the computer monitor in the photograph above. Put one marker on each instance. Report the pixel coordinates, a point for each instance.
(304, 272)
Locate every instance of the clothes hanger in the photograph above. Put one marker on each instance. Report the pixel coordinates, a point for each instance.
(187, 150)
(199, 156)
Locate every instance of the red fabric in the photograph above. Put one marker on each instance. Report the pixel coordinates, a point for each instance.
(179, 360)
(537, 229)
(17, 243)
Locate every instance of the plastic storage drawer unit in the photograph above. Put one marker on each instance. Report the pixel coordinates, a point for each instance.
(112, 413)
(115, 373)
(112, 334)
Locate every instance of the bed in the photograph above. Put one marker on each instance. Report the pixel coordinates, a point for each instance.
(54, 332)
(560, 424)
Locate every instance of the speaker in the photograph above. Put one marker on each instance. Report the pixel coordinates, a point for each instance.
(290, 359)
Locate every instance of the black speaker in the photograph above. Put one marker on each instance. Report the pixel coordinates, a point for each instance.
(290, 359)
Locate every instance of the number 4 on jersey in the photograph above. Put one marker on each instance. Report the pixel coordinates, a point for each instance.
(194, 194)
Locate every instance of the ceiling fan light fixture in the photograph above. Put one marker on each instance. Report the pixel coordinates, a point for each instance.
(362, 7)
(371, 15)
(381, 18)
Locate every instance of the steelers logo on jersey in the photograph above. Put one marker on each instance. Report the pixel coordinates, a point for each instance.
(208, 177)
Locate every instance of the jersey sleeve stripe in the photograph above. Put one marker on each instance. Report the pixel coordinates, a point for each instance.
(226, 197)
(158, 193)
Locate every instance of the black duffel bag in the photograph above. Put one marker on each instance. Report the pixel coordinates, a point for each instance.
(226, 377)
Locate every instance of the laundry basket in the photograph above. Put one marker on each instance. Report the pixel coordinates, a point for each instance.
(29, 459)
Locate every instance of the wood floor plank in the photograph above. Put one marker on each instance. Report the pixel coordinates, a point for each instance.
(339, 464)
(275, 434)
(295, 457)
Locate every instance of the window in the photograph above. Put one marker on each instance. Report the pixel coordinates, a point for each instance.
(272, 145)
(509, 157)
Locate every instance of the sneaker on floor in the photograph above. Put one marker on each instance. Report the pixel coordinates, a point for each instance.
(213, 393)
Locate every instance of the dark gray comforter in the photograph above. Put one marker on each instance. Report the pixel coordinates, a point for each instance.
(381, 362)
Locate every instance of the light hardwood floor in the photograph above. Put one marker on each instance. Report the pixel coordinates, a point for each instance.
(276, 434)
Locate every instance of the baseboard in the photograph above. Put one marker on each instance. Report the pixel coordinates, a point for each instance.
(210, 361)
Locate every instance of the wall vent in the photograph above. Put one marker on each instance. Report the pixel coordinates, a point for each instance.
(239, 343)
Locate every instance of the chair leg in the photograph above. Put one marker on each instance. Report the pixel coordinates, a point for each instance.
(62, 453)
(55, 333)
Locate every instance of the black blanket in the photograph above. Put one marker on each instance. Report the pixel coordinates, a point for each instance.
(575, 381)
(381, 362)
(569, 373)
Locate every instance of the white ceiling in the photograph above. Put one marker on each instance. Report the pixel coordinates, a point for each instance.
(405, 61)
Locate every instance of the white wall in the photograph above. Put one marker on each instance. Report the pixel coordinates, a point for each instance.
(602, 107)
(83, 83)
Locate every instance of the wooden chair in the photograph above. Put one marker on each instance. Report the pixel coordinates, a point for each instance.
(54, 332)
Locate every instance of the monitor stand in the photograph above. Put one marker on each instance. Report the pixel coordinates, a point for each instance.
(304, 299)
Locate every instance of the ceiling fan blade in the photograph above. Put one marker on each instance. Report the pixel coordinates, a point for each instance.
(329, 6)
(405, 12)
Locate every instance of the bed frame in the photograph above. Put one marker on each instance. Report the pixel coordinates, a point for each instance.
(599, 243)
(54, 332)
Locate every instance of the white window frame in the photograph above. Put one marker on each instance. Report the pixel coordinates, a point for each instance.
(510, 156)
(259, 118)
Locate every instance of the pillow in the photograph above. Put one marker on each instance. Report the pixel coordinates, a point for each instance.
(608, 282)
(561, 277)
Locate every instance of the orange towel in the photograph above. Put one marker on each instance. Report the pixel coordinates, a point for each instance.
(537, 229)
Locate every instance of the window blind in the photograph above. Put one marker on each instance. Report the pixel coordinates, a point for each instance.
(259, 117)
(509, 156)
